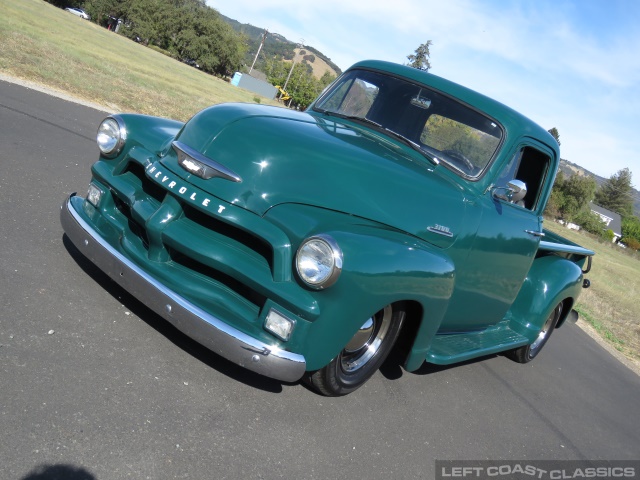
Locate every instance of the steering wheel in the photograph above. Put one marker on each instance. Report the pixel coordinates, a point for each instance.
(460, 160)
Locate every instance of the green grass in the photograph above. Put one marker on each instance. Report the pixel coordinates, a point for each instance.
(49, 46)
(597, 325)
(46, 45)
(611, 304)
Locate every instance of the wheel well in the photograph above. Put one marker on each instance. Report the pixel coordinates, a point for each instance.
(413, 316)
(567, 305)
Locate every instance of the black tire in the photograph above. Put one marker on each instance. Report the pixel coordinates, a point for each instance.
(362, 356)
(529, 352)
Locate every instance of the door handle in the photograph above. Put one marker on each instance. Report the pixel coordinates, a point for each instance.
(535, 233)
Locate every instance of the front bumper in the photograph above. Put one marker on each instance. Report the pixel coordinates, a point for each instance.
(206, 329)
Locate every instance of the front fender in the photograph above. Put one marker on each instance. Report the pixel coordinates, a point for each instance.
(147, 138)
(152, 133)
(381, 266)
(551, 280)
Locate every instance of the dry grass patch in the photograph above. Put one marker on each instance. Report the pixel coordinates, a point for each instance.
(46, 45)
(611, 304)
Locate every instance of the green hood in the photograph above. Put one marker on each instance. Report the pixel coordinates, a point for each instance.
(283, 156)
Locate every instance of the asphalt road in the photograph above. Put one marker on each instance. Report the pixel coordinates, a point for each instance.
(95, 386)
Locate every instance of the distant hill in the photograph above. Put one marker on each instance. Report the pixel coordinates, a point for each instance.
(279, 46)
(569, 169)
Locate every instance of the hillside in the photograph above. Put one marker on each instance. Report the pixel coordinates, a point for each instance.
(318, 66)
(278, 46)
(569, 169)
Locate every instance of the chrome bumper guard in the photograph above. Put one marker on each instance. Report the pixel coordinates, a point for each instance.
(206, 329)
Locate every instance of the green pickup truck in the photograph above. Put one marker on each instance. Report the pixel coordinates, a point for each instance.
(400, 210)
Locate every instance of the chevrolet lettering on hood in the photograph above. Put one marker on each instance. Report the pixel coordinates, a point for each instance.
(399, 211)
(172, 183)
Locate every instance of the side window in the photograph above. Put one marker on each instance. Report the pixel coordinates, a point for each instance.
(530, 166)
(352, 98)
(333, 102)
(359, 99)
(509, 172)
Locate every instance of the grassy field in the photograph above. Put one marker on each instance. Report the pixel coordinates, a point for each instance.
(51, 47)
(611, 304)
(46, 45)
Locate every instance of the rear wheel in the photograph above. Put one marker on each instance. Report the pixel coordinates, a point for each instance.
(528, 352)
(362, 356)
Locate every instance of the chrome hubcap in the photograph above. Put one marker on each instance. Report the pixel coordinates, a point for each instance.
(544, 333)
(367, 341)
(361, 338)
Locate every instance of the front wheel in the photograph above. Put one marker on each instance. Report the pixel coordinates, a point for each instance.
(528, 352)
(362, 356)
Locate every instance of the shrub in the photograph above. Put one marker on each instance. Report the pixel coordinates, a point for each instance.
(632, 243)
(590, 222)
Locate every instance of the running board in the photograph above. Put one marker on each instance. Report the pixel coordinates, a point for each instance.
(459, 347)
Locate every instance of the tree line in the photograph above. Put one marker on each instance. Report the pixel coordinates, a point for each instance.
(193, 32)
(188, 30)
(571, 196)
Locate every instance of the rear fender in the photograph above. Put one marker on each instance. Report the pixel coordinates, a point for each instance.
(551, 280)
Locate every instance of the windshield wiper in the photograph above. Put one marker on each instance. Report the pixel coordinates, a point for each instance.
(396, 135)
(362, 119)
(413, 145)
(348, 117)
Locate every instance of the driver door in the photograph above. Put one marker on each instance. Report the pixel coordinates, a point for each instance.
(506, 243)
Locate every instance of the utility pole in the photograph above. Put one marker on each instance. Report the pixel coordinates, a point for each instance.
(264, 37)
(293, 64)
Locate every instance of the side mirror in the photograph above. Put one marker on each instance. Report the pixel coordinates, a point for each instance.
(518, 190)
(515, 191)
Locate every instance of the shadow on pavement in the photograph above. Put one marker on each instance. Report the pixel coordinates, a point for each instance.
(59, 472)
(163, 327)
(392, 367)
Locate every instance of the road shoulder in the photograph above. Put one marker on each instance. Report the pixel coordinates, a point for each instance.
(630, 363)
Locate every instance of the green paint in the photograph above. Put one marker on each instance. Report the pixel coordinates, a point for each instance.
(410, 230)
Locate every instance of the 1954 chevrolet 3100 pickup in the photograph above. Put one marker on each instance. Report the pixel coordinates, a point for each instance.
(399, 208)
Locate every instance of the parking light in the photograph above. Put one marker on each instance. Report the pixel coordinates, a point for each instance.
(279, 325)
(94, 195)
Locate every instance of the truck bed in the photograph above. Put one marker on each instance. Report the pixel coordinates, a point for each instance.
(556, 243)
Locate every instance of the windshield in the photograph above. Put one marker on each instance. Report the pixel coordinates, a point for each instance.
(437, 125)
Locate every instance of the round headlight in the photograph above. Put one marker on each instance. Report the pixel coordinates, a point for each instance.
(111, 136)
(319, 261)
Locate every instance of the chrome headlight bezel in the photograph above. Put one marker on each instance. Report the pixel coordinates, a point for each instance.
(321, 254)
(111, 136)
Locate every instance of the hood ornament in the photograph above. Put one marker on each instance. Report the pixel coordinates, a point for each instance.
(196, 163)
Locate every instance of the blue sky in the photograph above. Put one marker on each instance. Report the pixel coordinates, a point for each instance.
(573, 65)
